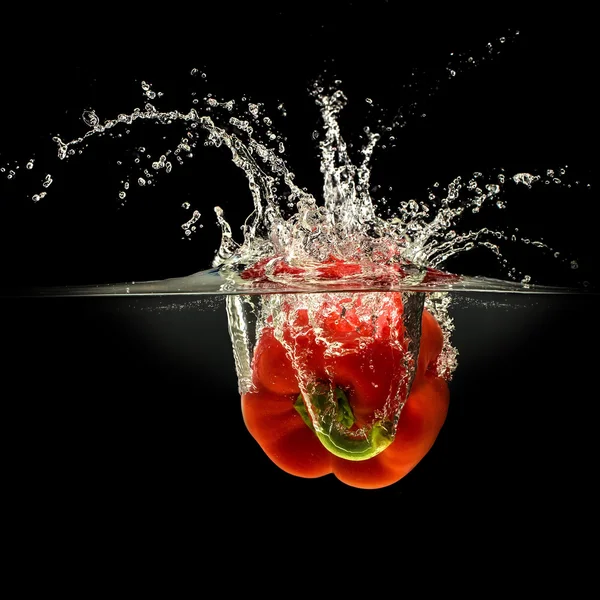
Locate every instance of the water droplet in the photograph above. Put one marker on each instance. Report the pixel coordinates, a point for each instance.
(122, 195)
(29, 165)
(525, 178)
(90, 118)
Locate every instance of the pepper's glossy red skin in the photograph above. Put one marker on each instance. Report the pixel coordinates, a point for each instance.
(366, 372)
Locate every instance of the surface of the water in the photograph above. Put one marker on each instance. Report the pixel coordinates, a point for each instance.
(213, 283)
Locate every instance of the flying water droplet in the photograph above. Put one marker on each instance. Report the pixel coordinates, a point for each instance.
(90, 118)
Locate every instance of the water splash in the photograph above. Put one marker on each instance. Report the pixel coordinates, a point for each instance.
(290, 232)
(289, 226)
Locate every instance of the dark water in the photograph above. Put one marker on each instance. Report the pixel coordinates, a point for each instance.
(125, 410)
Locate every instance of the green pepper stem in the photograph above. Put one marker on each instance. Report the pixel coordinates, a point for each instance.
(332, 419)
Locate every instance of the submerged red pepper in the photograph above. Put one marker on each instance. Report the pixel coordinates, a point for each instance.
(358, 379)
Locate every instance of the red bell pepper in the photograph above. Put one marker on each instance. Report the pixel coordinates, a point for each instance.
(328, 387)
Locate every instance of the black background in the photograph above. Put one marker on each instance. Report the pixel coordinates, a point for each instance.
(121, 417)
(527, 107)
